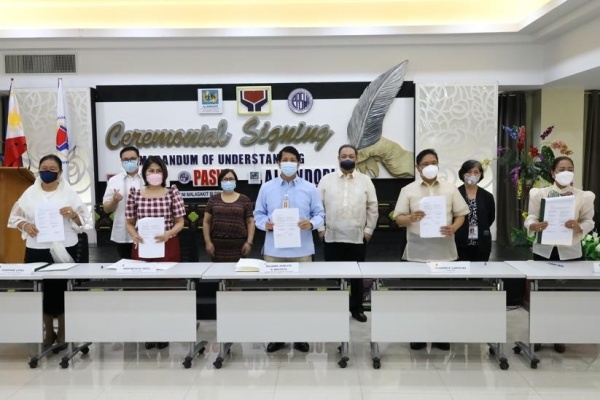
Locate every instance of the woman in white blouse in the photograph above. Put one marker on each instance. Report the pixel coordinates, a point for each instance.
(582, 224)
(50, 190)
(562, 173)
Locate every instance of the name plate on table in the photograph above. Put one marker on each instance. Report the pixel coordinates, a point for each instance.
(597, 267)
(136, 268)
(15, 270)
(273, 268)
(20, 269)
(459, 267)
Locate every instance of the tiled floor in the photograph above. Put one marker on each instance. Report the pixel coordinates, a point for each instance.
(129, 371)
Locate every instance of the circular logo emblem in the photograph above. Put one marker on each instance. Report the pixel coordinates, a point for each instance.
(184, 177)
(300, 101)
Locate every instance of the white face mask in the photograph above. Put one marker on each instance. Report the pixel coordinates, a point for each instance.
(564, 178)
(472, 179)
(430, 171)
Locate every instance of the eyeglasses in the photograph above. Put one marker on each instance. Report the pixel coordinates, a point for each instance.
(128, 159)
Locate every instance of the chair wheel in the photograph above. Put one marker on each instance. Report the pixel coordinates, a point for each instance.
(534, 363)
(218, 364)
(187, 364)
(517, 350)
(343, 363)
(33, 363)
(376, 363)
(64, 364)
(504, 366)
(85, 350)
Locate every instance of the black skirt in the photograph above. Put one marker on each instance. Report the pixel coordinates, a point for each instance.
(53, 289)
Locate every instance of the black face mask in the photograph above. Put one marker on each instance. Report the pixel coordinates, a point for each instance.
(347, 164)
(48, 176)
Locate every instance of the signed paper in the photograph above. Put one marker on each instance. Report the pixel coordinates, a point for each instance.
(285, 227)
(49, 222)
(434, 208)
(557, 211)
(148, 229)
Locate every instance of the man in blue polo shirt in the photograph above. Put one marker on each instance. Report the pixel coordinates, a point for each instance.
(288, 190)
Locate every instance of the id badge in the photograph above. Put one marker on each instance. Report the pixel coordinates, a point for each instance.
(473, 232)
(286, 202)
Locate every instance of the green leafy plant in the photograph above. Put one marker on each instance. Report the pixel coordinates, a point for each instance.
(591, 247)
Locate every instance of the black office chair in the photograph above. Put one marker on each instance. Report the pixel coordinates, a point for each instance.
(83, 249)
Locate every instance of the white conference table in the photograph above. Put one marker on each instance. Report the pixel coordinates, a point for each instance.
(563, 303)
(103, 305)
(21, 311)
(410, 303)
(311, 305)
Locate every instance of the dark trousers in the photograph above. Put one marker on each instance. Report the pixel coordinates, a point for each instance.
(53, 302)
(349, 252)
(124, 250)
(472, 253)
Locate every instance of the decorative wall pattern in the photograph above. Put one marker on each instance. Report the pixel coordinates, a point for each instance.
(460, 122)
(38, 112)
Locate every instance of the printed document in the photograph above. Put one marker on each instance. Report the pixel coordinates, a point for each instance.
(148, 229)
(285, 227)
(434, 208)
(49, 223)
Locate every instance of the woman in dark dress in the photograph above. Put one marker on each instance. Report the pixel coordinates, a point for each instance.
(228, 226)
(473, 239)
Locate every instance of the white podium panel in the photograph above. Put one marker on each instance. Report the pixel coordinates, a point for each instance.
(564, 317)
(283, 316)
(21, 316)
(438, 316)
(130, 316)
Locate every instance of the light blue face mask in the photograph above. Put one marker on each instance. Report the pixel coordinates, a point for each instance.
(228, 186)
(130, 166)
(289, 168)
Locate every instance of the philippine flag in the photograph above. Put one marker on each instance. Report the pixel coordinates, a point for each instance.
(62, 139)
(16, 144)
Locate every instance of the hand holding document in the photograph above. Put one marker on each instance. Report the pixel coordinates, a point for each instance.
(434, 208)
(285, 228)
(556, 211)
(49, 223)
(148, 229)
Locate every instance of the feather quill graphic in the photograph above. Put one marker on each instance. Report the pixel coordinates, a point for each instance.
(366, 124)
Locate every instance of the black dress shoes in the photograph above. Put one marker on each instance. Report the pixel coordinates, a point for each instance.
(274, 346)
(162, 345)
(441, 346)
(559, 347)
(301, 346)
(417, 345)
(359, 316)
